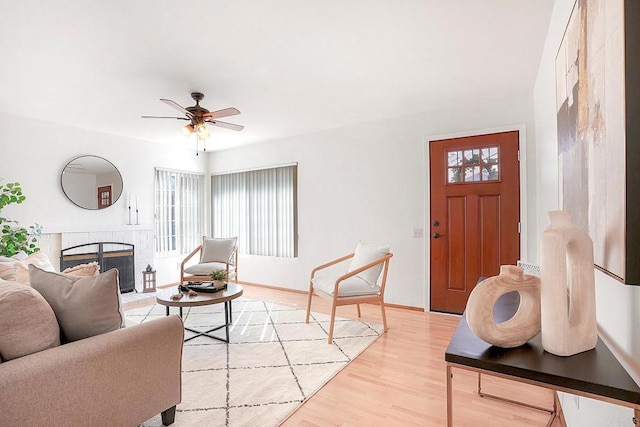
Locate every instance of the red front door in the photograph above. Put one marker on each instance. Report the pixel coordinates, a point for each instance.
(475, 214)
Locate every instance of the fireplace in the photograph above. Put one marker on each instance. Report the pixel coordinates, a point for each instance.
(108, 255)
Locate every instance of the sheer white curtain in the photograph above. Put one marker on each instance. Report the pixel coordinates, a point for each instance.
(179, 215)
(259, 207)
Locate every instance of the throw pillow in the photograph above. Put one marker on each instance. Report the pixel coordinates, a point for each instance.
(89, 269)
(8, 265)
(217, 250)
(28, 322)
(364, 255)
(8, 270)
(20, 256)
(39, 259)
(84, 306)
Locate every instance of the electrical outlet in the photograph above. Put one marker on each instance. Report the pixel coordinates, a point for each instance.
(418, 233)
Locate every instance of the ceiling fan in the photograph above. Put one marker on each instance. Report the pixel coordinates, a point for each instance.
(198, 116)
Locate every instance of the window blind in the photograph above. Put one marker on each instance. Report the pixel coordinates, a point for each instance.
(179, 202)
(260, 208)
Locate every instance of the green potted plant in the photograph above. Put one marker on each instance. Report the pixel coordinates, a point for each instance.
(14, 238)
(218, 277)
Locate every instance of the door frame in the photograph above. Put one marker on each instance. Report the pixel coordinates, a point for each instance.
(522, 142)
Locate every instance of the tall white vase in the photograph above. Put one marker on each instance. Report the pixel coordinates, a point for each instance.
(567, 291)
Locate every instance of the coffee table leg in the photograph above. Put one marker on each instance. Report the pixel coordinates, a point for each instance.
(227, 318)
(167, 310)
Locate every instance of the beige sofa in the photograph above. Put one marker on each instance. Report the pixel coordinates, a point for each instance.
(118, 378)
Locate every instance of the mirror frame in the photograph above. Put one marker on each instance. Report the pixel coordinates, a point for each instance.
(114, 197)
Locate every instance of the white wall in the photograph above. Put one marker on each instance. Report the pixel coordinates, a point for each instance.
(617, 304)
(365, 183)
(34, 153)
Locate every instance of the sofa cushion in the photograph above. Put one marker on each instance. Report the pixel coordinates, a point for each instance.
(364, 255)
(84, 306)
(217, 250)
(89, 269)
(28, 322)
(39, 259)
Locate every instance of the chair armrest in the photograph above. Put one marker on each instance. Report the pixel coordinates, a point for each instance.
(122, 377)
(233, 257)
(330, 263)
(358, 270)
(184, 261)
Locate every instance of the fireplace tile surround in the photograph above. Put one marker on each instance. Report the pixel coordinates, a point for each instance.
(142, 238)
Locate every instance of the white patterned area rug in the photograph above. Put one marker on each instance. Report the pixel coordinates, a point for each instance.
(273, 363)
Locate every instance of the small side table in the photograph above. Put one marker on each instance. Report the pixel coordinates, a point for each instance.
(149, 281)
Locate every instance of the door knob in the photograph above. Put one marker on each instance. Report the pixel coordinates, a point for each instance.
(436, 235)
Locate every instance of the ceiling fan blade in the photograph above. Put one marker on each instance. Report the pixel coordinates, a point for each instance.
(224, 124)
(231, 111)
(164, 117)
(178, 107)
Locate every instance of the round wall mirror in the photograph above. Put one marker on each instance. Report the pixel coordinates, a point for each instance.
(91, 182)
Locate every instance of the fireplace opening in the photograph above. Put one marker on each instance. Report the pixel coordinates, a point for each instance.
(108, 255)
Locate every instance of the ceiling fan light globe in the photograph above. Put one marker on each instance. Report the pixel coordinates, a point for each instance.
(203, 131)
(188, 129)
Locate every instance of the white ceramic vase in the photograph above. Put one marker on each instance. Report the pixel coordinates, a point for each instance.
(567, 292)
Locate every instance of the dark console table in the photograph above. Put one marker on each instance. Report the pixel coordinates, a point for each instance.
(596, 373)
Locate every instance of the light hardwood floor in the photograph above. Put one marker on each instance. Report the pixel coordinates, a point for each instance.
(400, 379)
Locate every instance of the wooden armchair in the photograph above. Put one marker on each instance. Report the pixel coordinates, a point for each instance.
(215, 254)
(358, 286)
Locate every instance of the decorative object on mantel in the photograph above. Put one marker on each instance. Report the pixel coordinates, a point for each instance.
(568, 288)
(13, 238)
(133, 199)
(523, 326)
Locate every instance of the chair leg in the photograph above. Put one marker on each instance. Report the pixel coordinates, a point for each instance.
(359, 315)
(384, 316)
(333, 321)
(306, 319)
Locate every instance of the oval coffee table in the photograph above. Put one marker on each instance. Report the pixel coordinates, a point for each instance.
(225, 296)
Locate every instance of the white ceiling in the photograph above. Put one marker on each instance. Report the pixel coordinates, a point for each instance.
(290, 66)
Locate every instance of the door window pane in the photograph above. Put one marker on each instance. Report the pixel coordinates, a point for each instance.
(473, 165)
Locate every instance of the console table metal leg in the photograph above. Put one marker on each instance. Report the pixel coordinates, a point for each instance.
(553, 412)
(449, 397)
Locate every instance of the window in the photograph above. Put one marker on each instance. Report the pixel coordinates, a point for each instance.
(477, 164)
(179, 202)
(260, 208)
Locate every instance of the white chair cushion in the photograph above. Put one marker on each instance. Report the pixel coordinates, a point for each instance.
(217, 250)
(364, 255)
(351, 287)
(205, 269)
